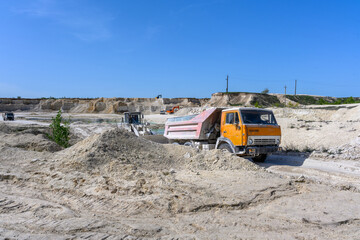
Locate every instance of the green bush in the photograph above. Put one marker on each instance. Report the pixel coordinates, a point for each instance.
(60, 130)
(349, 100)
(279, 105)
(291, 105)
(321, 101)
(338, 101)
(309, 100)
(302, 99)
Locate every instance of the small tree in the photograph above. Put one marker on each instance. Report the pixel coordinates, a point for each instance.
(349, 100)
(60, 132)
(265, 91)
(321, 101)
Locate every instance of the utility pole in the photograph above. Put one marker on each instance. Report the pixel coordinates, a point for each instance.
(295, 86)
(227, 83)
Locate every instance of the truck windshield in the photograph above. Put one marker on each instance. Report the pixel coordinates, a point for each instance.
(258, 117)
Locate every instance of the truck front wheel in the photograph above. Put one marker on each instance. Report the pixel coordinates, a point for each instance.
(225, 146)
(260, 158)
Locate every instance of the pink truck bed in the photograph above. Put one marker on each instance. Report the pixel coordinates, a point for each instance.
(193, 127)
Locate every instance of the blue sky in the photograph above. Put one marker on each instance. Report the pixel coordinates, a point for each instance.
(115, 48)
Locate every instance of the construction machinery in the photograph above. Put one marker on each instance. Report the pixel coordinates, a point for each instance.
(243, 131)
(134, 122)
(173, 110)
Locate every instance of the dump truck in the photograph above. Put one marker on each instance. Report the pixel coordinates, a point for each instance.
(250, 132)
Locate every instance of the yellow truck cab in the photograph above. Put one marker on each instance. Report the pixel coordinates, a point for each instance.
(243, 131)
(249, 131)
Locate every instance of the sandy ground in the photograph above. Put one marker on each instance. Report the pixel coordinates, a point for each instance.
(112, 185)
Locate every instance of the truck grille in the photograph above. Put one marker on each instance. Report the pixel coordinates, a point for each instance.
(264, 141)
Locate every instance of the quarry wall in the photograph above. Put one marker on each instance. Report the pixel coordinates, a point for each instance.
(99, 105)
(153, 105)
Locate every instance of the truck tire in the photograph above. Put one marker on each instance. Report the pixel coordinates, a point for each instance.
(260, 158)
(189, 144)
(225, 146)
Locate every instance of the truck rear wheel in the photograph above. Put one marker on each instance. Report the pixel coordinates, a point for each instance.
(260, 158)
(189, 144)
(225, 146)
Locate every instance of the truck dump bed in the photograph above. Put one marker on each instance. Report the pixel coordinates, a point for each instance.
(194, 127)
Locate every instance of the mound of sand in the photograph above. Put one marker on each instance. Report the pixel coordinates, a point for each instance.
(116, 144)
(194, 159)
(189, 111)
(119, 147)
(5, 128)
(143, 173)
(350, 151)
(28, 138)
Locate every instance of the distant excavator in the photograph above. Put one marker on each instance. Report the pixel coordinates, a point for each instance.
(158, 96)
(173, 110)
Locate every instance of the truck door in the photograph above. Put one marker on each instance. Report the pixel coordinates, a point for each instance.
(231, 127)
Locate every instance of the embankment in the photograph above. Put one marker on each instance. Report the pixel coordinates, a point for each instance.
(153, 105)
(99, 105)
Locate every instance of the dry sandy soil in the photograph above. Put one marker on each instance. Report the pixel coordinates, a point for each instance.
(113, 185)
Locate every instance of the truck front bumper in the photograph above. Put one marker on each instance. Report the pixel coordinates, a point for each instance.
(262, 150)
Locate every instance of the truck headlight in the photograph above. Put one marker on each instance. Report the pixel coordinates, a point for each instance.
(277, 141)
(251, 141)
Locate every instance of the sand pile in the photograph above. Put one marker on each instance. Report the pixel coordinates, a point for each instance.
(350, 112)
(194, 159)
(144, 173)
(189, 111)
(5, 128)
(115, 145)
(350, 151)
(28, 138)
(31, 142)
(119, 147)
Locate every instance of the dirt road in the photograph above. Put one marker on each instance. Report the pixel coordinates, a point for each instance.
(323, 170)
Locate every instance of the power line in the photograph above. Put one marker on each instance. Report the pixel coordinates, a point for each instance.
(227, 83)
